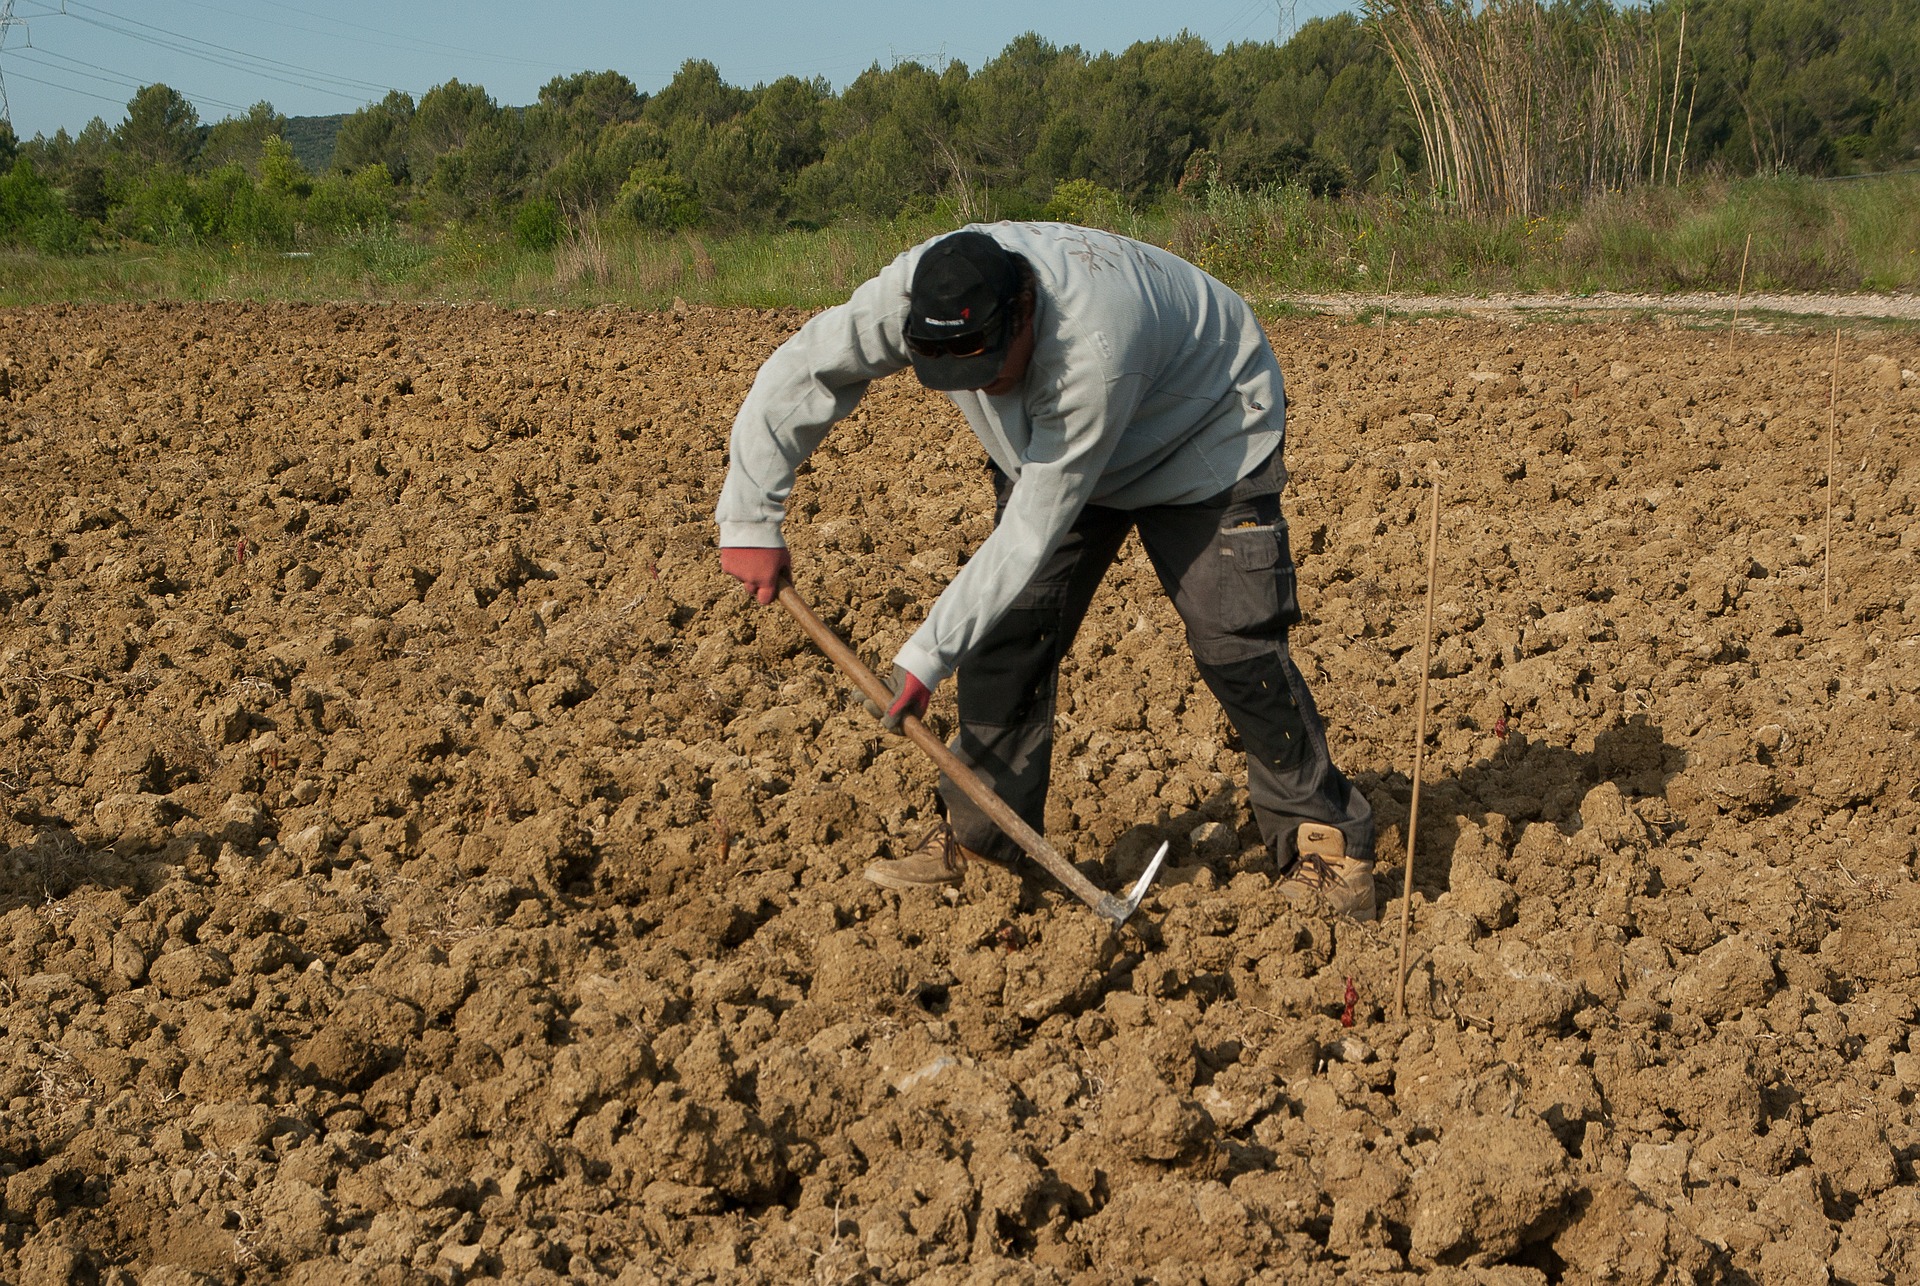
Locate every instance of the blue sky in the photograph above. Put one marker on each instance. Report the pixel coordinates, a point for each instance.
(311, 57)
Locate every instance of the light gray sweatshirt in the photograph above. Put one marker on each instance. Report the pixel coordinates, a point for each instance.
(1151, 383)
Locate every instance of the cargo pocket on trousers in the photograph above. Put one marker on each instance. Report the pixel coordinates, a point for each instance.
(1255, 590)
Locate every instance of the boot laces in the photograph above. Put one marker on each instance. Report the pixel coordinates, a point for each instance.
(952, 856)
(1314, 870)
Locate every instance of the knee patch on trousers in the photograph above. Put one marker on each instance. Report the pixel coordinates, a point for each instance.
(993, 681)
(1261, 705)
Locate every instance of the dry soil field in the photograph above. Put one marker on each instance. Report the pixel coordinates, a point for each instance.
(419, 865)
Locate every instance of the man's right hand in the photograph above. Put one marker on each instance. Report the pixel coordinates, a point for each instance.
(760, 570)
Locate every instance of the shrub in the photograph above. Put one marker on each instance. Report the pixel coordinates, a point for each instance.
(655, 197)
(1084, 202)
(160, 209)
(537, 225)
(31, 213)
(1326, 176)
(235, 210)
(87, 193)
(360, 202)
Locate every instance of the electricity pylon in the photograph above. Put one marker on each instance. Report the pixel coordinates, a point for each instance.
(7, 23)
(1288, 10)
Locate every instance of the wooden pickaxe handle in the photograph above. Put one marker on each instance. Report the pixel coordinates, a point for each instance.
(996, 809)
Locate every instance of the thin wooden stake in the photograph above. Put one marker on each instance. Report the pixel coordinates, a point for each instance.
(1392, 260)
(1731, 330)
(1419, 754)
(1833, 395)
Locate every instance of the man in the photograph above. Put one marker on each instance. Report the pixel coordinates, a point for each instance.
(1115, 387)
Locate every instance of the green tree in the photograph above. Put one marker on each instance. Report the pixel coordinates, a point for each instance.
(160, 207)
(94, 145)
(377, 134)
(579, 138)
(162, 129)
(1767, 49)
(1147, 109)
(1800, 85)
(484, 176)
(586, 102)
(230, 207)
(890, 145)
(63, 157)
(240, 139)
(696, 93)
(280, 171)
(734, 176)
(472, 153)
(449, 117)
(1328, 100)
(786, 125)
(496, 164)
(1004, 110)
(88, 196)
(571, 112)
(590, 176)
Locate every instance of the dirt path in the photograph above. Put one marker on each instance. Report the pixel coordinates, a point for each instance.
(417, 865)
(1884, 307)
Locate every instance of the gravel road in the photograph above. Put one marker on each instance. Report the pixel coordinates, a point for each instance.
(1897, 306)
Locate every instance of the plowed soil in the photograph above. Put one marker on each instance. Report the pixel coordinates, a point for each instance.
(420, 864)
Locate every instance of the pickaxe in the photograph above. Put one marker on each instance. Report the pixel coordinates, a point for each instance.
(1107, 906)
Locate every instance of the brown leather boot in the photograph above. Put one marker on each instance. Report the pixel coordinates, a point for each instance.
(938, 859)
(1325, 878)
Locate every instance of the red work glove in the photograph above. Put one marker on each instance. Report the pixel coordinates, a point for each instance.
(910, 698)
(760, 570)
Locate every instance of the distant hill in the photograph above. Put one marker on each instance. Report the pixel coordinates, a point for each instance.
(312, 139)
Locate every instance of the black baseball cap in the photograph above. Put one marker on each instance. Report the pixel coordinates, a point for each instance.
(960, 311)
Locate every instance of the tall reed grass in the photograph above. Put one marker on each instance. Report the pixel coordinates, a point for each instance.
(1523, 107)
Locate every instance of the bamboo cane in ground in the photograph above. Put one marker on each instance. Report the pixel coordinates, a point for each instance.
(1419, 755)
(1833, 394)
(1731, 330)
(1673, 109)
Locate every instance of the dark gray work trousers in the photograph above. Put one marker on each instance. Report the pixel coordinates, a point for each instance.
(1226, 564)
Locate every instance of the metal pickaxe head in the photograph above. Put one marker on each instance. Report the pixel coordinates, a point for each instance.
(1117, 911)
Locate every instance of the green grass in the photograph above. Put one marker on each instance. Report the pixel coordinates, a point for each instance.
(1806, 235)
(599, 266)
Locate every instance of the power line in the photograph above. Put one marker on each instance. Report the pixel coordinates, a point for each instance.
(108, 76)
(68, 89)
(393, 39)
(1242, 20)
(347, 81)
(233, 59)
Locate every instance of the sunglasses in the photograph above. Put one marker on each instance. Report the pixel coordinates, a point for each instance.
(969, 345)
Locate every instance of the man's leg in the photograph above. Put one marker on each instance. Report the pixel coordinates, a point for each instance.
(1007, 685)
(1227, 566)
